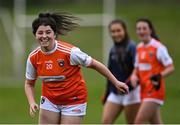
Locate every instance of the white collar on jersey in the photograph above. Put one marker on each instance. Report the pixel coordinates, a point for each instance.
(149, 43)
(53, 50)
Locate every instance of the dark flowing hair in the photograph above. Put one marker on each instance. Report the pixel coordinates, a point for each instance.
(151, 26)
(123, 24)
(61, 23)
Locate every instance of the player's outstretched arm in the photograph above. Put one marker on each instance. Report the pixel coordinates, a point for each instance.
(30, 93)
(105, 72)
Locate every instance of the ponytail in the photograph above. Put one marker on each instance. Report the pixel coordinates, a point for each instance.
(61, 23)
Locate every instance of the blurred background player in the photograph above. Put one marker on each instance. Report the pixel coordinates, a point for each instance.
(121, 64)
(57, 63)
(152, 65)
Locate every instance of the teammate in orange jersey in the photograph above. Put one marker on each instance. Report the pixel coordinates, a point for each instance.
(58, 64)
(153, 63)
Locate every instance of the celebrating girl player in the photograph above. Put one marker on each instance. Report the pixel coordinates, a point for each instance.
(58, 64)
(153, 64)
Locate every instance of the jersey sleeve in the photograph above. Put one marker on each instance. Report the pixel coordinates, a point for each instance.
(136, 60)
(77, 57)
(30, 70)
(163, 56)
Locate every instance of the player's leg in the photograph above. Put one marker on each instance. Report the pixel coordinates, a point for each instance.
(146, 111)
(131, 112)
(49, 112)
(48, 117)
(110, 112)
(112, 108)
(65, 119)
(73, 114)
(156, 119)
(131, 104)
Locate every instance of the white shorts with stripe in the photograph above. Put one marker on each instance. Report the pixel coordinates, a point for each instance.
(70, 110)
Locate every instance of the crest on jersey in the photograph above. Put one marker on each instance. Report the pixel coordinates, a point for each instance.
(61, 62)
(42, 100)
(151, 54)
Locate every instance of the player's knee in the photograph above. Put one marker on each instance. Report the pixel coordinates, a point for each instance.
(138, 120)
(130, 121)
(107, 120)
(43, 118)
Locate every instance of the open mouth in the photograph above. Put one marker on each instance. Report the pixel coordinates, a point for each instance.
(44, 41)
(142, 35)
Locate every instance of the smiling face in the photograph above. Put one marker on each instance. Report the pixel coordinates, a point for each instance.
(117, 32)
(45, 37)
(143, 31)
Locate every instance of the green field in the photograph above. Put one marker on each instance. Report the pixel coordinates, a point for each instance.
(166, 17)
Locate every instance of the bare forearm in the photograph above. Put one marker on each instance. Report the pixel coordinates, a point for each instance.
(30, 93)
(167, 71)
(134, 71)
(102, 69)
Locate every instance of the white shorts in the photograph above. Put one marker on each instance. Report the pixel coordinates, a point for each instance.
(132, 98)
(70, 110)
(158, 101)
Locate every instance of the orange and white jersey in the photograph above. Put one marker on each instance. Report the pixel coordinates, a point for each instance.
(60, 71)
(151, 59)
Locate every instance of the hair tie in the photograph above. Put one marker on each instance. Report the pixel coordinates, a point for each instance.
(42, 15)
